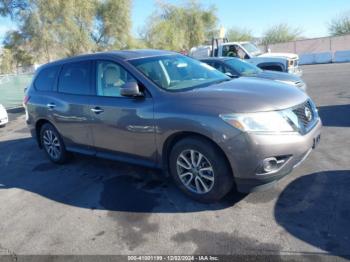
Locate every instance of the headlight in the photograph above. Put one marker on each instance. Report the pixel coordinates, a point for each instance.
(262, 122)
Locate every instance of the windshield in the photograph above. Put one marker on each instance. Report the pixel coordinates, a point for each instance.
(176, 72)
(243, 68)
(251, 48)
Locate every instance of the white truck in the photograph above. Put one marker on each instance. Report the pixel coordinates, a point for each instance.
(283, 62)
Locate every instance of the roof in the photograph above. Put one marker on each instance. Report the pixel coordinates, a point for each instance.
(140, 53)
(121, 54)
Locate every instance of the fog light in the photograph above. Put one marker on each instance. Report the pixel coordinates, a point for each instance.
(270, 164)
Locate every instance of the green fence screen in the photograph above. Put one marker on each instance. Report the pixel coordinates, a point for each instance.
(12, 89)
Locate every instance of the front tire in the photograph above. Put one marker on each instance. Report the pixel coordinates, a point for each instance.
(52, 144)
(200, 169)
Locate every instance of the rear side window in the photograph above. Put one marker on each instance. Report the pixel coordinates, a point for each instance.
(46, 78)
(75, 78)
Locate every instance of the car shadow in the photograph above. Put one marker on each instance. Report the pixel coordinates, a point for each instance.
(94, 183)
(335, 115)
(316, 209)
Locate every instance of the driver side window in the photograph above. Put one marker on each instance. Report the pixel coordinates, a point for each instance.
(240, 53)
(110, 77)
(234, 51)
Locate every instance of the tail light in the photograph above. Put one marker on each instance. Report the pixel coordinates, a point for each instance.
(26, 100)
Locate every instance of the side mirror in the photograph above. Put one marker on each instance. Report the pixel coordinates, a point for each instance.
(130, 89)
(231, 75)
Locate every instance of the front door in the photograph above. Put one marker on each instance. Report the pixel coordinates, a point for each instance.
(123, 127)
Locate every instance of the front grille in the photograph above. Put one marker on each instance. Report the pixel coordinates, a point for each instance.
(306, 114)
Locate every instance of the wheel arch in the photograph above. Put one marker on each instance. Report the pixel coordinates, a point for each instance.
(38, 125)
(176, 137)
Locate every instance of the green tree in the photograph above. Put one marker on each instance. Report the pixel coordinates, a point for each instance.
(113, 24)
(6, 61)
(16, 50)
(340, 25)
(238, 34)
(200, 23)
(74, 24)
(59, 28)
(280, 33)
(162, 34)
(39, 29)
(137, 43)
(179, 27)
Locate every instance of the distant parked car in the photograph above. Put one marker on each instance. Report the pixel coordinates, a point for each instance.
(162, 109)
(3, 116)
(235, 67)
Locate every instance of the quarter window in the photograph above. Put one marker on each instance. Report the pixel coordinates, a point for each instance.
(46, 78)
(75, 78)
(110, 78)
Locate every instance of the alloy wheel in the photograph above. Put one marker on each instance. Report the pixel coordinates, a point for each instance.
(195, 171)
(52, 144)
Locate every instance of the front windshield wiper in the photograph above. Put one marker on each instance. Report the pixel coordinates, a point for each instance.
(219, 81)
(250, 74)
(203, 85)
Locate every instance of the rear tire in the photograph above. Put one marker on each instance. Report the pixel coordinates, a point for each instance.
(52, 144)
(200, 169)
(2, 126)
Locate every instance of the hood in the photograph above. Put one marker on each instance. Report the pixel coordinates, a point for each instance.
(274, 75)
(242, 95)
(280, 55)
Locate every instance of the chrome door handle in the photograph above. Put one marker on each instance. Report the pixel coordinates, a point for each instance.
(51, 105)
(97, 110)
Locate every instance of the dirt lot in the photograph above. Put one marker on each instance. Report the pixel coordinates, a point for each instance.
(94, 206)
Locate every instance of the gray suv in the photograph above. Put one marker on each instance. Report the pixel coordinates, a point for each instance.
(164, 110)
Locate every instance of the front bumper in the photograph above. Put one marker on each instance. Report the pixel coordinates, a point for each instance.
(247, 151)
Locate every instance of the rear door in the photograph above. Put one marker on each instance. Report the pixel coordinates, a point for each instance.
(71, 106)
(123, 127)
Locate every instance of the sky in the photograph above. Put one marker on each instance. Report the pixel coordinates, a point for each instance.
(311, 16)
